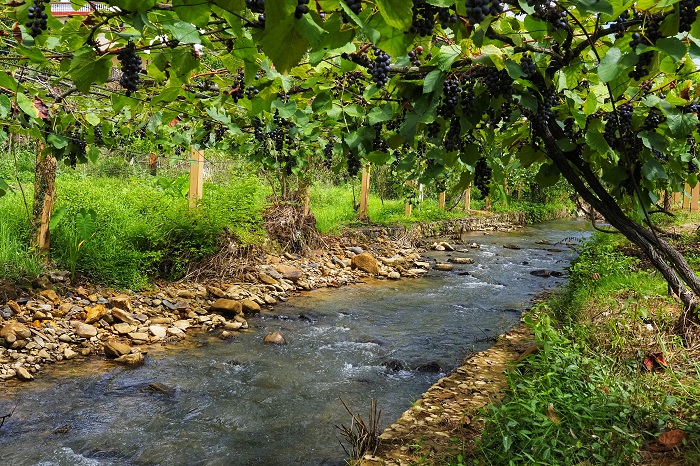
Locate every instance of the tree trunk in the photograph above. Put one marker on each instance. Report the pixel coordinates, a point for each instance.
(44, 196)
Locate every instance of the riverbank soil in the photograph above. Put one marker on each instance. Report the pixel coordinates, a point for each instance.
(446, 420)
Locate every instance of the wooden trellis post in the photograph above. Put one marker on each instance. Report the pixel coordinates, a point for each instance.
(467, 199)
(196, 176)
(364, 193)
(686, 199)
(441, 201)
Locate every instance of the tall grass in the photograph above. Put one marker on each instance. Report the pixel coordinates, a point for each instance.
(17, 260)
(144, 230)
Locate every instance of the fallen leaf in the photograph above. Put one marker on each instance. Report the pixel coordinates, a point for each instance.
(660, 359)
(552, 415)
(672, 438)
(648, 364)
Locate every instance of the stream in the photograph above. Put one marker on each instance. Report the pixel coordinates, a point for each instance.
(239, 402)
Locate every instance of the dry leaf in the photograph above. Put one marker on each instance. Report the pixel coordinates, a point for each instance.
(647, 364)
(672, 438)
(552, 415)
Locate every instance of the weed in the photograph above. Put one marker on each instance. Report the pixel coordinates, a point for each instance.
(363, 438)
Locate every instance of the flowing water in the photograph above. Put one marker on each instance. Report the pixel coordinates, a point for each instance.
(239, 402)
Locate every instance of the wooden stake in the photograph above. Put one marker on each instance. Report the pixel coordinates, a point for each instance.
(442, 200)
(694, 198)
(686, 199)
(196, 177)
(44, 197)
(364, 193)
(467, 199)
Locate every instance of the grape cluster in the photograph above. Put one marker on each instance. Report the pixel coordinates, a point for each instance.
(78, 148)
(452, 139)
(640, 70)
(423, 19)
(433, 129)
(219, 133)
(550, 12)
(258, 130)
(544, 112)
(251, 91)
(477, 10)
(528, 66)
(379, 144)
(414, 54)
(498, 83)
(354, 5)
(354, 165)
(692, 108)
(620, 24)
(301, 9)
(447, 17)
(131, 67)
(687, 13)
(38, 17)
(619, 132)
(450, 98)
(380, 68)
(328, 155)
(256, 6)
(482, 177)
(97, 135)
(653, 120)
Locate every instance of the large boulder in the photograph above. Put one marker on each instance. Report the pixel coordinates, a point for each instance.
(124, 316)
(366, 262)
(131, 359)
(15, 331)
(274, 338)
(121, 302)
(227, 306)
(85, 330)
(95, 313)
(115, 349)
(287, 271)
(250, 306)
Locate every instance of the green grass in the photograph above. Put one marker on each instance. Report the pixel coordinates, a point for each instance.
(144, 230)
(16, 257)
(582, 399)
(333, 208)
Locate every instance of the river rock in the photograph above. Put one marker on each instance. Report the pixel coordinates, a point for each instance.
(422, 265)
(511, 246)
(131, 359)
(181, 324)
(115, 349)
(95, 313)
(447, 246)
(394, 275)
(123, 328)
(23, 374)
(158, 331)
(121, 302)
(69, 353)
(14, 306)
(216, 292)
(139, 336)
(462, 260)
(186, 294)
(233, 326)
(437, 247)
(250, 306)
(15, 331)
(266, 279)
(546, 273)
(444, 267)
(274, 338)
(227, 306)
(366, 262)
(51, 296)
(288, 272)
(356, 250)
(62, 310)
(124, 316)
(84, 330)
